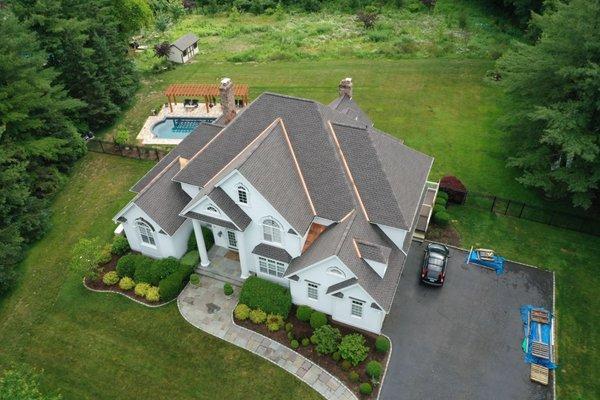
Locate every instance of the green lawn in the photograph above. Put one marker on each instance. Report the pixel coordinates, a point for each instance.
(574, 259)
(103, 346)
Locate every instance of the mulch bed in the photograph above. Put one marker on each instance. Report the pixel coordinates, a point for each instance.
(303, 329)
(99, 285)
(447, 235)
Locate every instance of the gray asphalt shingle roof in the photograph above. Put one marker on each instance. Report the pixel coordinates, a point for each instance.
(185, 41)
(272, 252)
(230, 208)
(210, 220)
(186, 149)
(370, 251)
(164, 199)
(341, 285)
(348, 106)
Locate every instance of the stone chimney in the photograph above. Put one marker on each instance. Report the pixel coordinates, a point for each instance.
(346, 87)
(227, 99)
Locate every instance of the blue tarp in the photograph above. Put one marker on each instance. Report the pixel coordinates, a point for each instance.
(497, 264)
(538, 332)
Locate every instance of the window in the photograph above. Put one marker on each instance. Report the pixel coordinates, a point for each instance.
(336, 271)
(242, 195)
(271, 230)
(357, 308)
(313, 291)
(146, 233)
(271, 267)
(232, 240)
(212, 209)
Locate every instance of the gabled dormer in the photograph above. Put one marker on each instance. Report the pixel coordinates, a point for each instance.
(375, 255)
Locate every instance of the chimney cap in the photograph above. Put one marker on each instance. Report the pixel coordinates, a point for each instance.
(225, 81)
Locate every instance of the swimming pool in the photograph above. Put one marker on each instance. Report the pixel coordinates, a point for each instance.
(177, 128)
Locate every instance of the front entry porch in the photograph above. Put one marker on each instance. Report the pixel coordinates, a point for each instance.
(224, 266)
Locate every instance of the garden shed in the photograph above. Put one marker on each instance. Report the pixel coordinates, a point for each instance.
(184, 48)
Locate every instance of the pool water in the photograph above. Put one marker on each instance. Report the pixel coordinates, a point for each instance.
(177, 128)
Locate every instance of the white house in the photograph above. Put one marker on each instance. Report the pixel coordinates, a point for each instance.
(311, 196)
(184, 48)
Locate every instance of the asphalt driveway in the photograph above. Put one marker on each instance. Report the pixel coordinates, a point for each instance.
(463, 341)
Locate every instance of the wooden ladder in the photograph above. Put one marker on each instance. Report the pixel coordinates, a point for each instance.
(539, 374)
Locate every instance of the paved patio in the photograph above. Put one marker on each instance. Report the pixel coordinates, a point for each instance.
(208, 309)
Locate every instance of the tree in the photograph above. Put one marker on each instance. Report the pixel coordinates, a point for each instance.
(133, 15)
(87, 255)
(162, 50)
(22, 383)
(554, 115)
(38, 141)
(368, 17)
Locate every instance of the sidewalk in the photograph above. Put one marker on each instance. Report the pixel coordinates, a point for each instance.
(207, 308)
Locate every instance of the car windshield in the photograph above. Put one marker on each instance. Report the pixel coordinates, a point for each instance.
(435, 263)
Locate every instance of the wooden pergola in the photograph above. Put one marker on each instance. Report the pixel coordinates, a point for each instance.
(208, 92)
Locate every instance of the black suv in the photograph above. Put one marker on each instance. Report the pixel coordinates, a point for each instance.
(433, 271)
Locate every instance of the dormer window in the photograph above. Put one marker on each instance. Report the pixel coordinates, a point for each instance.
(271, 230)
(242, 193)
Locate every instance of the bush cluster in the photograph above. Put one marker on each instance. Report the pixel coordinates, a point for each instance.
(141, 289)
(126, 283)
(153, 294)
(119, 246)
(171, 285)
(153, 271)
(353, 348)
(382, 344)
(127, 264)
(274, 322)
(110, 278)
(268, 296)
(327, 338)
(105, 254)
(258, 316)
(241, 312)
(191, 258)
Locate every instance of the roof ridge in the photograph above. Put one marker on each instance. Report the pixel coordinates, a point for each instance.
(285, 96)
(156, 178)
(343, 238)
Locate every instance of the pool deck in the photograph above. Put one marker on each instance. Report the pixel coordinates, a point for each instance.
(146, 137)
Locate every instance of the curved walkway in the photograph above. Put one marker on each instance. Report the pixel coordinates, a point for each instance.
(207, 308)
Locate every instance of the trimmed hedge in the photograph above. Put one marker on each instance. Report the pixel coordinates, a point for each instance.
(382, 344)
(209, 239)
(438, 209)
(440, 201)
(268, 296)
(170, 286)
(442, 195)
(303, 313)
(365, 388)
(441, 218)
(318, 319)
(127, 264)
(119, 246)
(153, 271)
(374, 369)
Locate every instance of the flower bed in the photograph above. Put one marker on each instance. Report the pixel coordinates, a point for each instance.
(302, 331)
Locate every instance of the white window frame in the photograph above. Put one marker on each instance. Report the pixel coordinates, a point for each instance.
(271, 267)
(357, 308)
(312, 290)
(212, 209)
(242, 195)
(146, 234)
(336, 272)
(272, 231)
(232, 237)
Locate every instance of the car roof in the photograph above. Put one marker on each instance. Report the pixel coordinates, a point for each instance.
(438, 248)
(436, 255)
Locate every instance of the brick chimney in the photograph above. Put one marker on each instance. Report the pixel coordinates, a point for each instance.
(227, 99)
(346, 87)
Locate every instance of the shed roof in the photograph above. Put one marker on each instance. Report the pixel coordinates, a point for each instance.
(185, 41)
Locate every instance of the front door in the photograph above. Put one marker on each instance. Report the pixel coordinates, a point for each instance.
(231, 240)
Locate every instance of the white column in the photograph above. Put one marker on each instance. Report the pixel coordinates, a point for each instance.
(204, 261)
(241, 243)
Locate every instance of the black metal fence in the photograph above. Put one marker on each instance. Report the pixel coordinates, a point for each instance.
(519, 209)
(141, 152)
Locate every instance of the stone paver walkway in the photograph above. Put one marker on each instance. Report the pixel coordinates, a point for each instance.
(207, 308)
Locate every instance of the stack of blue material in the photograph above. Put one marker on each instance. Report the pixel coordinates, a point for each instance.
(536, 332)
(496, 264)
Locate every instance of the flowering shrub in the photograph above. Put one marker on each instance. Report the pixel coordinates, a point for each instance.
(142, 288)
(241, 312)
(110, 278)
(258, 316)
(152, 294)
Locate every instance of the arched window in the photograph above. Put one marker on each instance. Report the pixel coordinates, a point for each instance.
(242, 193)
(271, 230)
(146, 233)
(212, 209)
(337, 272)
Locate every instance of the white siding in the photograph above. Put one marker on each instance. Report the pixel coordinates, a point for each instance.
(166, 246)
(397, 236)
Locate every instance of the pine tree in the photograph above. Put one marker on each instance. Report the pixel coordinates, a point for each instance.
(554, 88)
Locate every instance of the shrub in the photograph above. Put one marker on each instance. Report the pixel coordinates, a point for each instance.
(258, 316)
(143, 271)
(294, 344)
(457, 192)
(336, 356)
(119, 246)
(317, 319)
(274, 322)
(153, 271)
(303, 313)
(442, 218)
(328, 339)
(374, 369)
(105, 255)
(354, 376)
(121, 137)
(110, 278)
(227, 289)
(353, 348)
(305, 341)
(365, 388)
(191, 258)
(153, 294)
(288, 327)
(268, 296)
(126, 283)
(438, 209)
(195, 279)
(192, 244)
(209, 239)
(241, 312)
(346, 365)
(442, 195)
(170, 286)
(290, 335)
(382, 344)
(142, 288)
(440, 201)
(127, 264)
(86, 260)
(314, 339)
